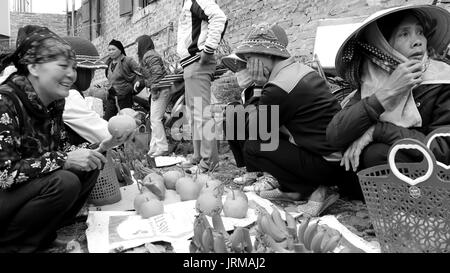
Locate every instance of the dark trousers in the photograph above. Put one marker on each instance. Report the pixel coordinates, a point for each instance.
(298, 170)
(376, 154)
(111, 107)
(31, 214)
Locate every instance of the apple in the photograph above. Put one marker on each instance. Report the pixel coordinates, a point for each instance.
(171, 197)
(155, 183)
(236, 204)
(209, 203)
(170, 179)
(202, 178)
(187, 189)
(142, 198)
(151, 208)
(119, 125)
(214, 185)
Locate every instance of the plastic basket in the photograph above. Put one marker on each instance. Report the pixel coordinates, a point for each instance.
(107, 189)
(409, 203)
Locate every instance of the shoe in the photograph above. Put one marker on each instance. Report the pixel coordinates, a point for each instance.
(277, 195)
(246, 179)
(263, 183)
(316, 208)
(190, 163)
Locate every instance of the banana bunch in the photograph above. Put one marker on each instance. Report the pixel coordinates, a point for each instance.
(316, 238)
(216, 239)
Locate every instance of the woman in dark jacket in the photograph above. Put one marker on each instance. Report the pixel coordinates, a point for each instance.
(153, 70)
(402, 92)
(122, 74)
(44, 180)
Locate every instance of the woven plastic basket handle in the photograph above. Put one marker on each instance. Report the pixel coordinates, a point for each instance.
(411, 144)
(441, 132)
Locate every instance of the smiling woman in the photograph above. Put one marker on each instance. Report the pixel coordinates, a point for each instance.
(44, 180)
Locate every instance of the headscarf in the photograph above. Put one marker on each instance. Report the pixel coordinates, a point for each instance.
(381, 60)
(119, 45)
(145, 43)
(36, 45)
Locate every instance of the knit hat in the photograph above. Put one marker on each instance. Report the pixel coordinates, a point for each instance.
(86, 54)
(265, 39)
(234, 63)
(349, 58)
(119, 45)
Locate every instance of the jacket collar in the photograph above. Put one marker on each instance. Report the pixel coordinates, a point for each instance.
(280, 66)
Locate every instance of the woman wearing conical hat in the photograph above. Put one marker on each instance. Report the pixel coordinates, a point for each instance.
(402, 89)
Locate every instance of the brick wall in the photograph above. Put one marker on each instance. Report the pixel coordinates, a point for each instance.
(55, 22)
(299, 19)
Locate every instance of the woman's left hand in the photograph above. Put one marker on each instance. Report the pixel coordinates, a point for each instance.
(116, 140)
(351, 156)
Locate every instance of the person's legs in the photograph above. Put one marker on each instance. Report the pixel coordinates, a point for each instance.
(376, 154)
(31, 213)
(295, 170)
(158, 143)
(198, 97)
(110, 108)
(125, 101)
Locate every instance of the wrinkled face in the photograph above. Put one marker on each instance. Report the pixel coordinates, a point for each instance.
(54, 79)
(408, 38)
(114, 52)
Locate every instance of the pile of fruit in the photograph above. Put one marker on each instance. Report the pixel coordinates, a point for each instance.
(216, 239)
(276, 235)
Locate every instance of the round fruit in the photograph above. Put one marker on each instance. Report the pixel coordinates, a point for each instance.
(171, 197)
(215, 186)
(128, 112)
(209, 203)
(142, 198)
(202, 179)
(119, 125)
(236, 205)
(155, 183)
(187, 189)
(151, 208)
(170, 179)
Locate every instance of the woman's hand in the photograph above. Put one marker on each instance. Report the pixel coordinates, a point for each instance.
(351, 156)
(115, 140)
(402, 80)
(85, 160)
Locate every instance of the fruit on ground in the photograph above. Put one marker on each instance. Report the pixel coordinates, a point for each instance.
(202, 178)
(119, 125)
(151, 208)
(142, 198)
(170, 179)
(214, 185)
(209, 203)
(187, 189)
(236, 205)
(155, 183)
(171, 197)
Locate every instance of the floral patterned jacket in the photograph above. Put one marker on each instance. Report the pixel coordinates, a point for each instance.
(33, 142)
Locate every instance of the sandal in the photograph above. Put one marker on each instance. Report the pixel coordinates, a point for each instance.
(277, 195)
(246, 179)
(316, 208)
(263, 183)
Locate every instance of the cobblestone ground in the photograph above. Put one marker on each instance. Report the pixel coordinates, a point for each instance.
(352, 214)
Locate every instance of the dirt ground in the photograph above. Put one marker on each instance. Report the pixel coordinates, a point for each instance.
(352, 214)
